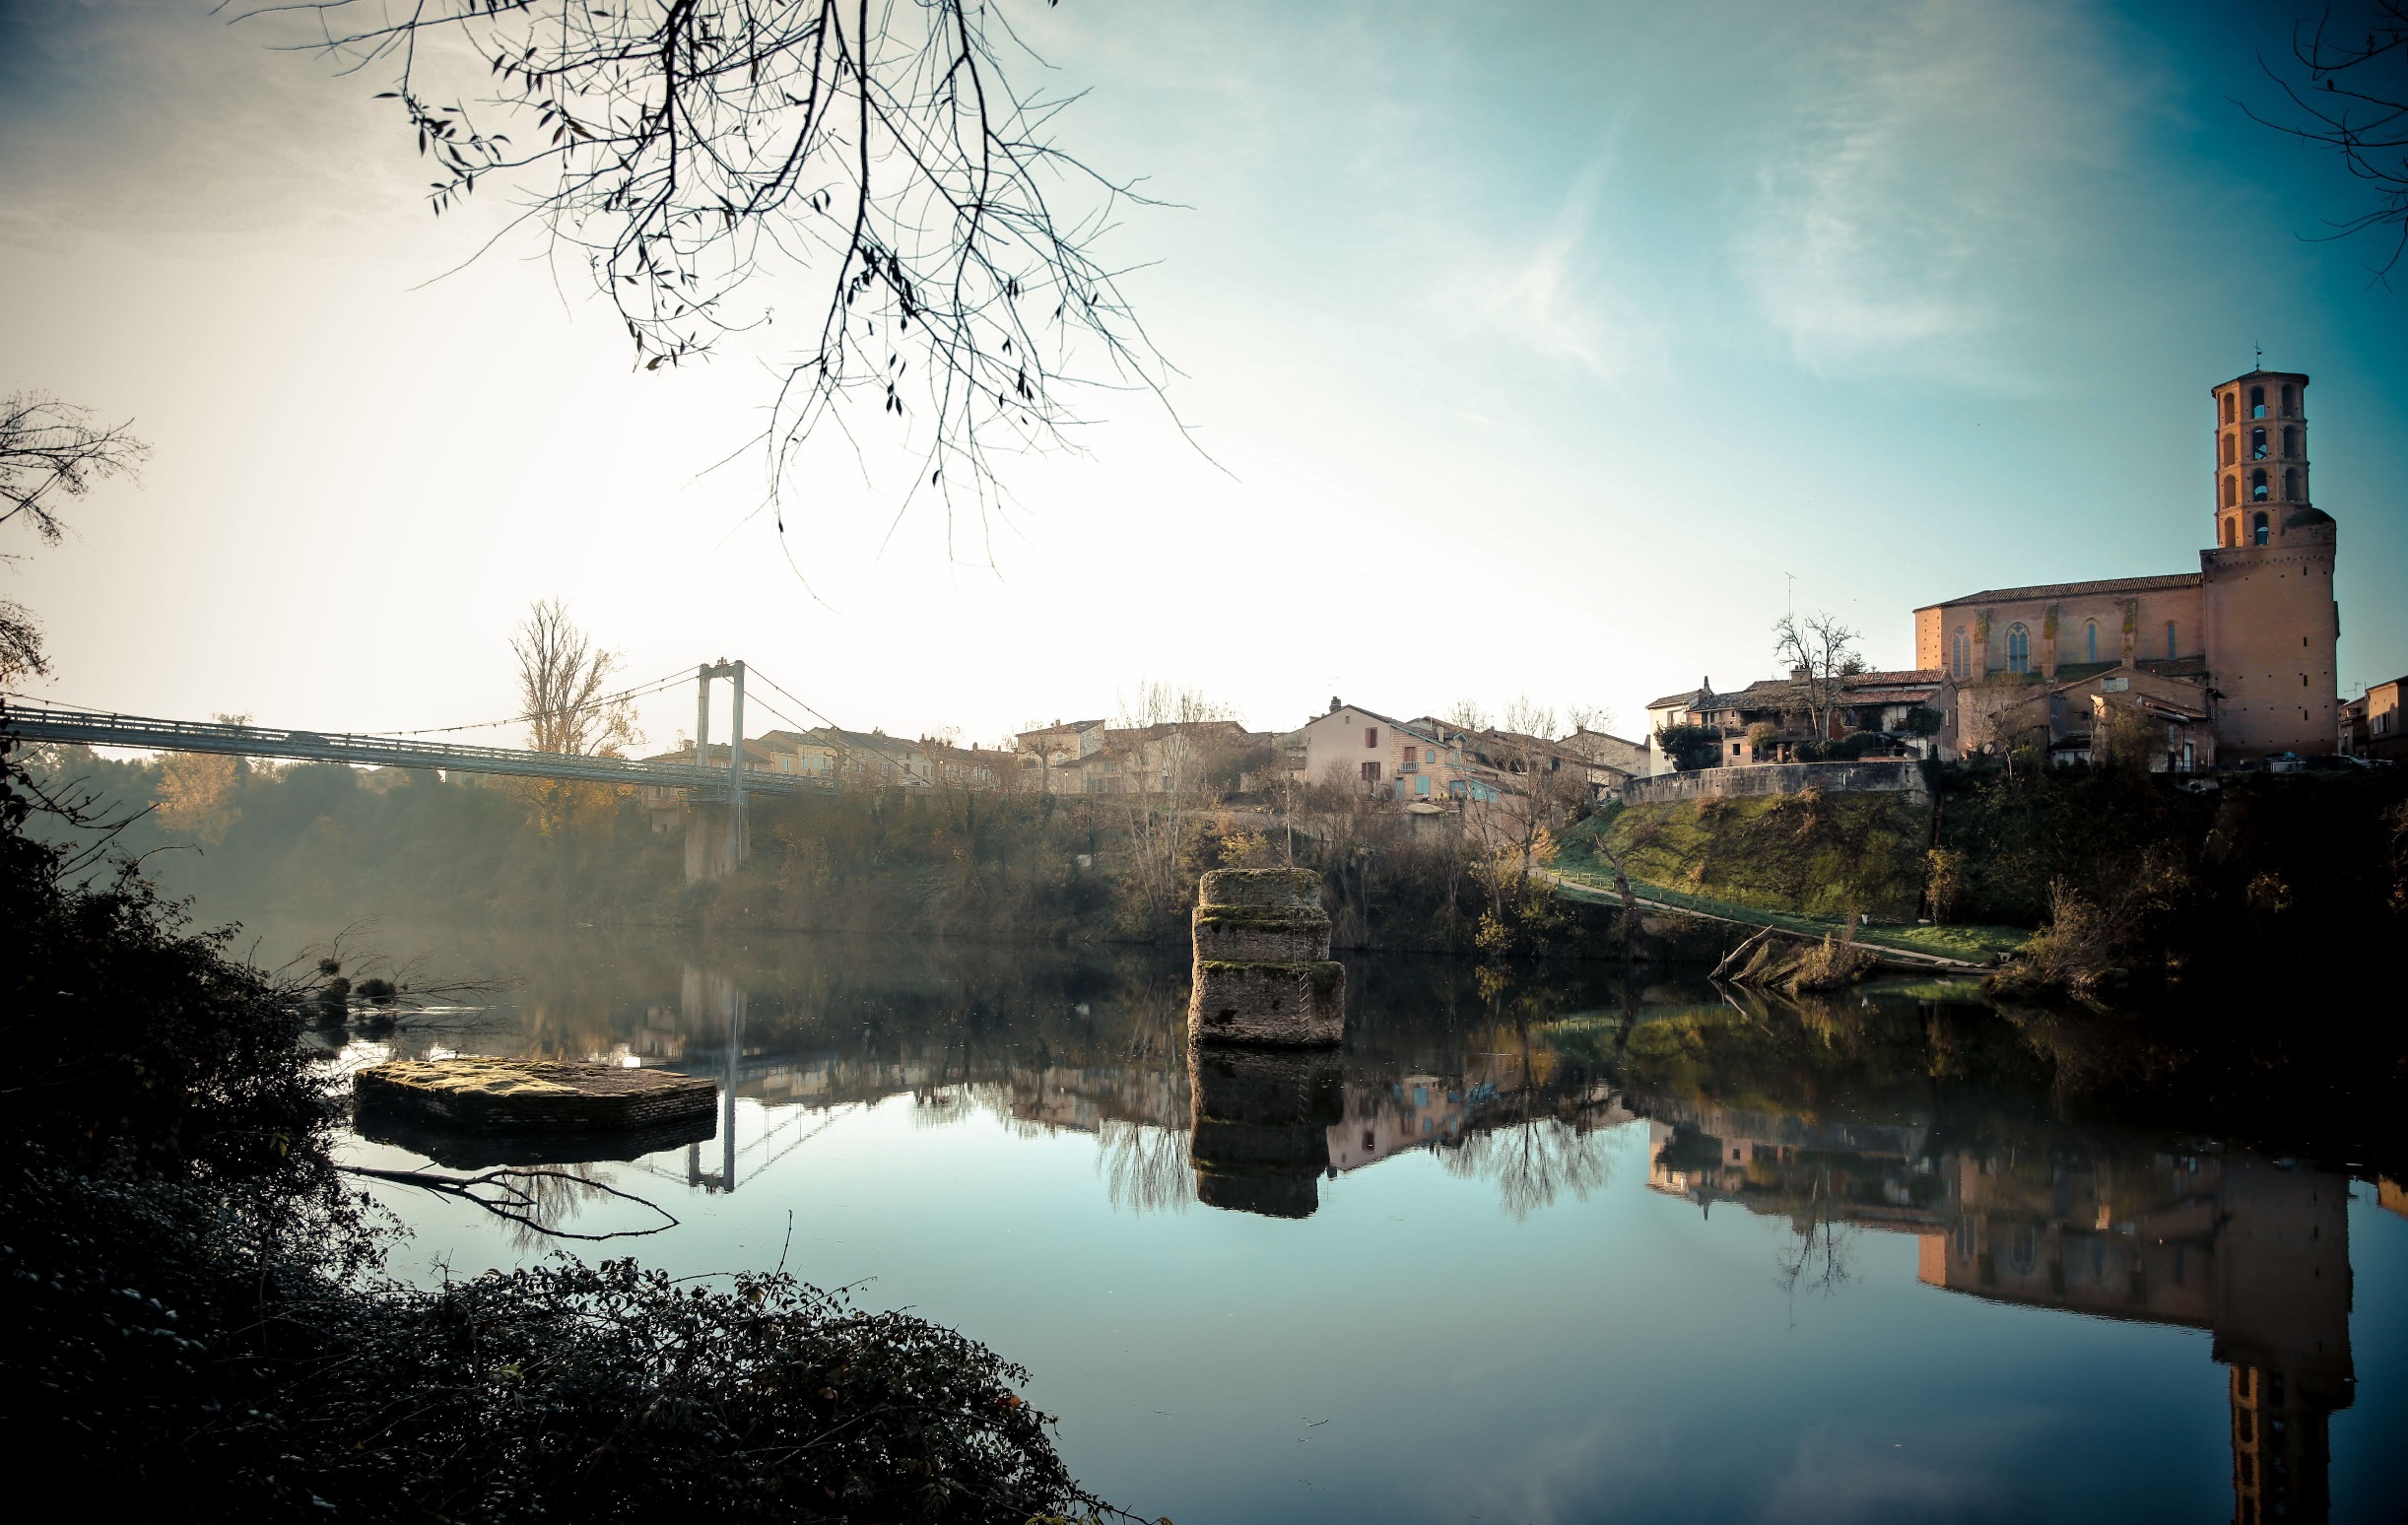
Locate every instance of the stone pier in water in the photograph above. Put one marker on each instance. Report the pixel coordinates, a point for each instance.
(1263, 975)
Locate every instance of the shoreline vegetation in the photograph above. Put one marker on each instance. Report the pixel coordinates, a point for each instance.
(202, 1317)
(2088, 884)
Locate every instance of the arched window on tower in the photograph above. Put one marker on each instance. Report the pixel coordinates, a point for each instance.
(2258, 530)
(2258, 444)
(2291, 401)
(2227, 531)
(2257, 402)
(2224, 450)
(2290, 442)
(2019, 648)
(2290, 485)
(2228, 407)
(2258, 486)
(1961, 654)
(2090, 641)
(2232, 491)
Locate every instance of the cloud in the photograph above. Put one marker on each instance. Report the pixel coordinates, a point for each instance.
(1934, 186)
(1554, 292)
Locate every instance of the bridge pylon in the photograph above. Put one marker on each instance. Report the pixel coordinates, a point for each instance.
(717, 840)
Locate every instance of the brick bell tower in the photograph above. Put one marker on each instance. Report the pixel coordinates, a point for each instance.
(2267, 588)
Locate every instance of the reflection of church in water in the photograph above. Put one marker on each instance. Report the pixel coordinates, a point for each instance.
(2256, 1253)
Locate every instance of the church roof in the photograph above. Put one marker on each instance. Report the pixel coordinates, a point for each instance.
(2071, 589)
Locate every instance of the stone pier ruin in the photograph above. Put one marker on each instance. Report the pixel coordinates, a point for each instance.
(1263, 975)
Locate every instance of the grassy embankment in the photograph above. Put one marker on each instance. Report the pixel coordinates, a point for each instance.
(1799, 862)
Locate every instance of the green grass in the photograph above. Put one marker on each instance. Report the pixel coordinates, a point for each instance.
(1973, 945)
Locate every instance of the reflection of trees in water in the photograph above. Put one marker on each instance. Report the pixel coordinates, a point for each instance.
(1531, 1159)
(1820, 1240)
(1145, 1168)
(552, 1200)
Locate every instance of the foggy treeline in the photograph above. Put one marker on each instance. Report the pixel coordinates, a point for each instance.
(245, 839)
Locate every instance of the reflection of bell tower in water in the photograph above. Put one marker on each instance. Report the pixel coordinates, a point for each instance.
(2256, 1254)
(2283, 1325)
(2267, 588)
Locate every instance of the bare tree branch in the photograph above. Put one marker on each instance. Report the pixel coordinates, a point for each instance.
(690, 148)
(2353, 99)
(49, 450)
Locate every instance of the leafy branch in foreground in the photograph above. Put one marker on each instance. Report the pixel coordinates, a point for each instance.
(686, 149)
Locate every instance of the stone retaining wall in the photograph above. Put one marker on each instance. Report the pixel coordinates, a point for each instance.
(1716, 783)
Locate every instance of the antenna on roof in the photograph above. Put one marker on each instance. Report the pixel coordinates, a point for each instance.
(1793, 593)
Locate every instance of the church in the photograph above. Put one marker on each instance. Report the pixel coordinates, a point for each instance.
(2241, 652)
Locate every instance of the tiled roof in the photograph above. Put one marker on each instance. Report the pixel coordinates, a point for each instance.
(1674, 700)
(2070, 589)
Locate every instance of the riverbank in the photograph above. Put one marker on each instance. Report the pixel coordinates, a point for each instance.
(203, 1320)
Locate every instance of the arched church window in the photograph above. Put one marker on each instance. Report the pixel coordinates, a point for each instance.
(2290, 441)
(2224, 450)
(1961, 654)
(2228, 407)
(2257, 402)
(2290, 400)
(2258, 529)
(2258, 486)
(2290, 485)
(2232, 491)
(2258, 444)
(2090, 641)
(2019, 648)
(2227, 532)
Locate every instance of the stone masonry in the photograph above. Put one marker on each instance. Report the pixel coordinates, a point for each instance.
(1263, 974)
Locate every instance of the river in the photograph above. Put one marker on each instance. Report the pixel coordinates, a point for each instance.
(1559, 1246)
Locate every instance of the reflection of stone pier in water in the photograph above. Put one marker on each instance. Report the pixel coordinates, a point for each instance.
(1261, 1126)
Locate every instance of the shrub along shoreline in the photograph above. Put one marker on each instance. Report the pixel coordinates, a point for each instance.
(203, 1327)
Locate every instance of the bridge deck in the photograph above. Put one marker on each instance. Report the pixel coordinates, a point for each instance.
(93, 728)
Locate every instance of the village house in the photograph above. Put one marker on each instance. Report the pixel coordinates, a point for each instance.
(1090, 757)
(1513, 752)
(1630, 759)
(2372, 725)
(1410, 761)
(664, 805)
(1908, 712)
(2160, 721)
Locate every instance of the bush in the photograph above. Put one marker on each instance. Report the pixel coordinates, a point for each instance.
(200, 1321)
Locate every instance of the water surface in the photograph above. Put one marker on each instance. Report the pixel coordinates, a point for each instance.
(1553, 1247)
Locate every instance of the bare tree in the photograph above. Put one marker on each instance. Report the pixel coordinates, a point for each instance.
(686, 150)
(1165, 752)
(1588, 717)
(1467, 714)
(21, 653)
(2354, 100)
(52, 450)
(1820, 655)
(49, 450)
(561, 683)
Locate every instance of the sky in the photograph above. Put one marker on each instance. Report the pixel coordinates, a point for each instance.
(1544, 350)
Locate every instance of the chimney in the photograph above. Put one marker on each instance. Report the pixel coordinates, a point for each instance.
(1333, 703)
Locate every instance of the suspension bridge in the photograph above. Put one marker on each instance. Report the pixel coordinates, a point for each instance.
(716, 792)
